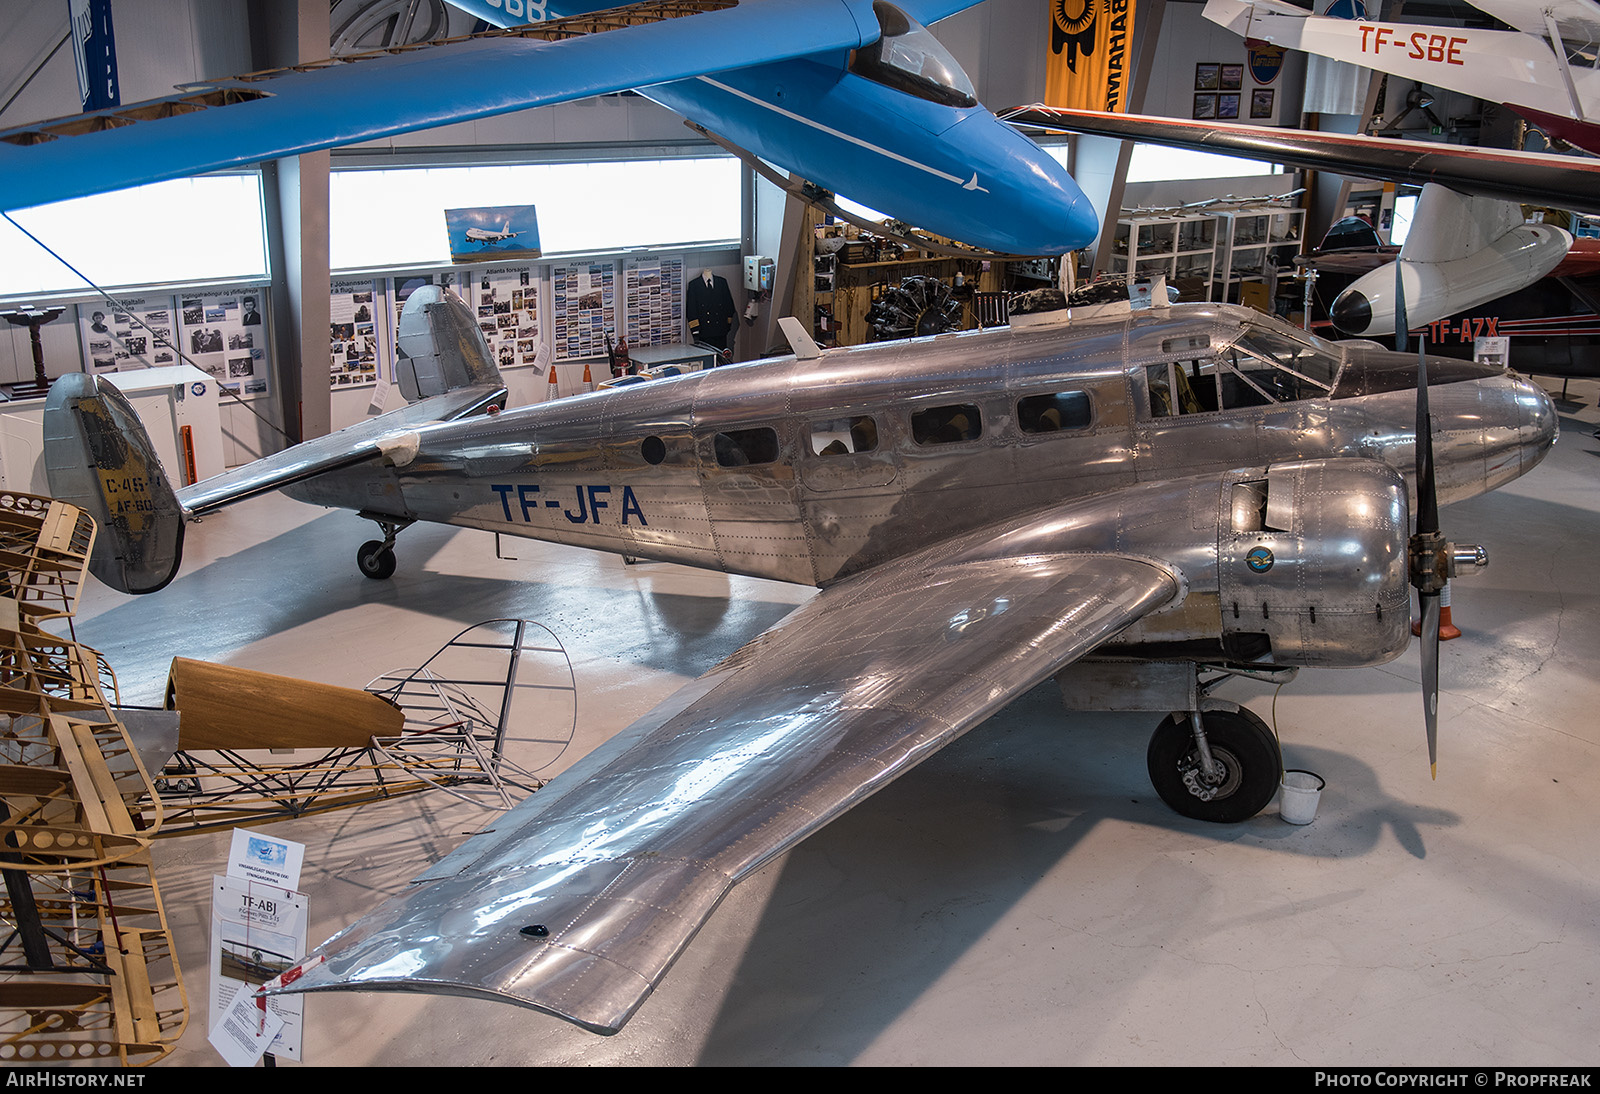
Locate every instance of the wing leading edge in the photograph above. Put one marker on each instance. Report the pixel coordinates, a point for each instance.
(578, 900)
(1565, 182)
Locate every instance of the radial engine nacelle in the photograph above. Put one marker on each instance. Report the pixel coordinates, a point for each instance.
(1462, 251)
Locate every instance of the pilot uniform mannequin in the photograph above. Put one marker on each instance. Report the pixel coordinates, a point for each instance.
(709, 306)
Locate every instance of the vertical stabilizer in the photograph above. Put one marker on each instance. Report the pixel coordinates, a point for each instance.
(441, 348)
(99, 458)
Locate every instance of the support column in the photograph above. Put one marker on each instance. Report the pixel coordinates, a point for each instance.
(288, 32)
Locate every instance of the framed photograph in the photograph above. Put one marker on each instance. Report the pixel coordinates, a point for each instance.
(1207, 77)
(1205, 106)
(1228, 104)
(1232, 78)
(1261, 102)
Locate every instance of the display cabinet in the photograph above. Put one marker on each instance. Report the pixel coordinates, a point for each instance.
(1254, 244)
(1180, 245)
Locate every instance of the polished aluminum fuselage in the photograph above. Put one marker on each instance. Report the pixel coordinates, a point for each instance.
(637, 470)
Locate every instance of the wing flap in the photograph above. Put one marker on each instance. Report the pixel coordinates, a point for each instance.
(622, 858)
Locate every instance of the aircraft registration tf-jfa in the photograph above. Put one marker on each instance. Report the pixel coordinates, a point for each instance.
(1178, 487)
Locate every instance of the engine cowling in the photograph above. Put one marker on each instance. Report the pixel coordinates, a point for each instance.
(1311, 557)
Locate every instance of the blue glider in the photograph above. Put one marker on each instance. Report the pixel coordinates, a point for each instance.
(853, 95)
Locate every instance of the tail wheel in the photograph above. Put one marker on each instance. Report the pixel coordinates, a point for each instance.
(1245, 751)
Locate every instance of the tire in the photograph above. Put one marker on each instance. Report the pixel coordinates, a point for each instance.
(1244, 746)
(375, 560)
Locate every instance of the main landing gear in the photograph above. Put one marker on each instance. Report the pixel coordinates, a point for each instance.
(1213, 760)
(375, 558)
(1217, 765)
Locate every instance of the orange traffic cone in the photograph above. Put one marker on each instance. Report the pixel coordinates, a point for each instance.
(588, 380)
(1447, 629)
(551, 391)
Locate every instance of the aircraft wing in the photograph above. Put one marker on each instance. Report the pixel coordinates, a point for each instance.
(1564, 182)
(578, 900)
(323, 104)
(1576, 20)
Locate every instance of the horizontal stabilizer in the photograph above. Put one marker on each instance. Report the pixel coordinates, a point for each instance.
(99, 458)
(354, 444)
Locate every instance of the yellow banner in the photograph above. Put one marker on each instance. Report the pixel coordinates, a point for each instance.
(1090, 52)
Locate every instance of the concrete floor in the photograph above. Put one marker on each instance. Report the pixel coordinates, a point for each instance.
(1023, 897)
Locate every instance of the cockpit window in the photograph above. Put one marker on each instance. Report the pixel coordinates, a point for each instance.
(909, 58)
(1310, 358)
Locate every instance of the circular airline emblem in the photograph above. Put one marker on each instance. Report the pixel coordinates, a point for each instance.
(1259, 559)
(1072, 16)
(197, 388)
(1265, 63)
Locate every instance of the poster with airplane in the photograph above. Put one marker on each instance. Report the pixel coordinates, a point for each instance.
(500, 231)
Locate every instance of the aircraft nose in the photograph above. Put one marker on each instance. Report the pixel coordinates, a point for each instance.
(1026, 195)
(1351, 313)
(1052, 210)
(1540, 425)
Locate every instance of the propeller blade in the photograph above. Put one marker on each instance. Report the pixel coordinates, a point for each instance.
(1426, 541)
(1427, 486)
(1401, 329)
(1430, 676)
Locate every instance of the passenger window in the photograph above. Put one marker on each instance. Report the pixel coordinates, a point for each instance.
(946, 424)
(1054, 412)
(741, 447)
(843, 436)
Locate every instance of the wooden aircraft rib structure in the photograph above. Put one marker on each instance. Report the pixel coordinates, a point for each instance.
(441, 726)
(87, 966)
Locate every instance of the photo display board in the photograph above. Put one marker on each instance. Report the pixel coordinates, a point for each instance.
(653, 300)
(222, 333)
(506, 300)
(143, 334)
(583, 308)
(358, 312)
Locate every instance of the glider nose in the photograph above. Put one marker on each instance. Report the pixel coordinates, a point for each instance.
(1030, 201)
(1052, 209)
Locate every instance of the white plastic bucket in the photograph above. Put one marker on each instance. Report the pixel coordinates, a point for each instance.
(1300, 792)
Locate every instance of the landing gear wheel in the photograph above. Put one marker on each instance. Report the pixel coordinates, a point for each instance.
(376, 560)
(1241, 744)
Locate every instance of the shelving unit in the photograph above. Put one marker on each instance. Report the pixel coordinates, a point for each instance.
(1254, 243)
(1181, 246)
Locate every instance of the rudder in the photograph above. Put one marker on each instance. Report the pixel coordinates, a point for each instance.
(99, 457)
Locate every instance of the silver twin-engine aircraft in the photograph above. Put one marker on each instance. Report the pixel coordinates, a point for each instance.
(1155, 490)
